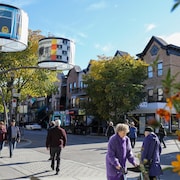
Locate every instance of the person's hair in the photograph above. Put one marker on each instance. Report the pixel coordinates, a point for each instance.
(111, 123)
(57, 122)
(122, 127)
(1, 122)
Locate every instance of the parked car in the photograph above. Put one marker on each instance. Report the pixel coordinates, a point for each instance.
(33, 126)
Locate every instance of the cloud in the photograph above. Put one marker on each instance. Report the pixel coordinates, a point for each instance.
(104, 48)
(172, 38)
(81, 34)
(97, 6)
(149, 27)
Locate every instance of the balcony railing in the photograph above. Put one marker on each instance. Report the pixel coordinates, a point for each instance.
(78, 91)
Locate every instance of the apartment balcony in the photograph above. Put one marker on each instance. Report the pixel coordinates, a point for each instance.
(78, 91)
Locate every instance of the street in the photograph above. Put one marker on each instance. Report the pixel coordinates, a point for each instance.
(82, 159)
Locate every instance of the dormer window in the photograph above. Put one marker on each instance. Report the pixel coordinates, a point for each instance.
(154, 50)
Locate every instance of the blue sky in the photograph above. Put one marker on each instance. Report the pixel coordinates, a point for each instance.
(100, 27)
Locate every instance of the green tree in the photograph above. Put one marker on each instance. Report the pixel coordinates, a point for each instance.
(115, 86)
(33, 82)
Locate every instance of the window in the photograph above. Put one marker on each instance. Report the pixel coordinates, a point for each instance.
(70, 87)
(59, 46)
(64, 52)
(59, 57)
(160, 94)
(150, 95)
(150, 71)
(81, 84)
(64, 41)
(154, 50)
(160, 69)
(74, 85)
(73, 102)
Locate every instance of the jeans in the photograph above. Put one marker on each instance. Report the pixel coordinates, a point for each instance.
(1, 145)
(12, 146)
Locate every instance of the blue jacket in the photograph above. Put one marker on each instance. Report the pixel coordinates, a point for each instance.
(151, 149)
(119, 150)
(133, 132)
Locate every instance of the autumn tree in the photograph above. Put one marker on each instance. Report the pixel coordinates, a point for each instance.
(115, 86)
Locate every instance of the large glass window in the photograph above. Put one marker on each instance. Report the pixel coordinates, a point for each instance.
(160, 69)
(150, 71)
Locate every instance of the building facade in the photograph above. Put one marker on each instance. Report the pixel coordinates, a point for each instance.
(161, 58)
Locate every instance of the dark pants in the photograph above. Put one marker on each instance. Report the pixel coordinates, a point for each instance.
(55, 155)
(12, 146)
(161, 139)
(133, 142)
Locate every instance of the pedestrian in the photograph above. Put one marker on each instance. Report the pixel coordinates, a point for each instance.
(3, 133)
(162, 133)
(110, 130)
(13, 136)
(119, 150)
(150, 154)
(56, 140)
(51, 125)
(133, 134)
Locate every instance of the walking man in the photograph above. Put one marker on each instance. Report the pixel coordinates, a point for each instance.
(56, 140)
(13, 136)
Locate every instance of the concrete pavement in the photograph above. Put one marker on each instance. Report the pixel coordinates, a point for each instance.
(32, 163)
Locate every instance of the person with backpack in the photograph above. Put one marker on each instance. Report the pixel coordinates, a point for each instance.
(110, 130)
(162, 134)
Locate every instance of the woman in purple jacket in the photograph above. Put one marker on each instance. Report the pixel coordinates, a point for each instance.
(119, 150)
(151, 150)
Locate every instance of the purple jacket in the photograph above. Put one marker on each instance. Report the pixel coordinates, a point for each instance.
(151, 149)
(119, 150)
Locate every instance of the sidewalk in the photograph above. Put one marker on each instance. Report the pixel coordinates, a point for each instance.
(27, 163)
(32, 164)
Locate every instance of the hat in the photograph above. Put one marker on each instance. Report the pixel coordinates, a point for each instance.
(149, 129)
(57, 122)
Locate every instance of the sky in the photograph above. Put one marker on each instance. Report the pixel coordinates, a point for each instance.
(101, 27)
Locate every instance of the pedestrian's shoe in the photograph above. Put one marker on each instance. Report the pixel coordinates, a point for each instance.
(57, 172)
(50, 158)
(52, 167)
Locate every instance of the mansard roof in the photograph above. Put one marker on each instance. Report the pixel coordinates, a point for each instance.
(170, 49)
